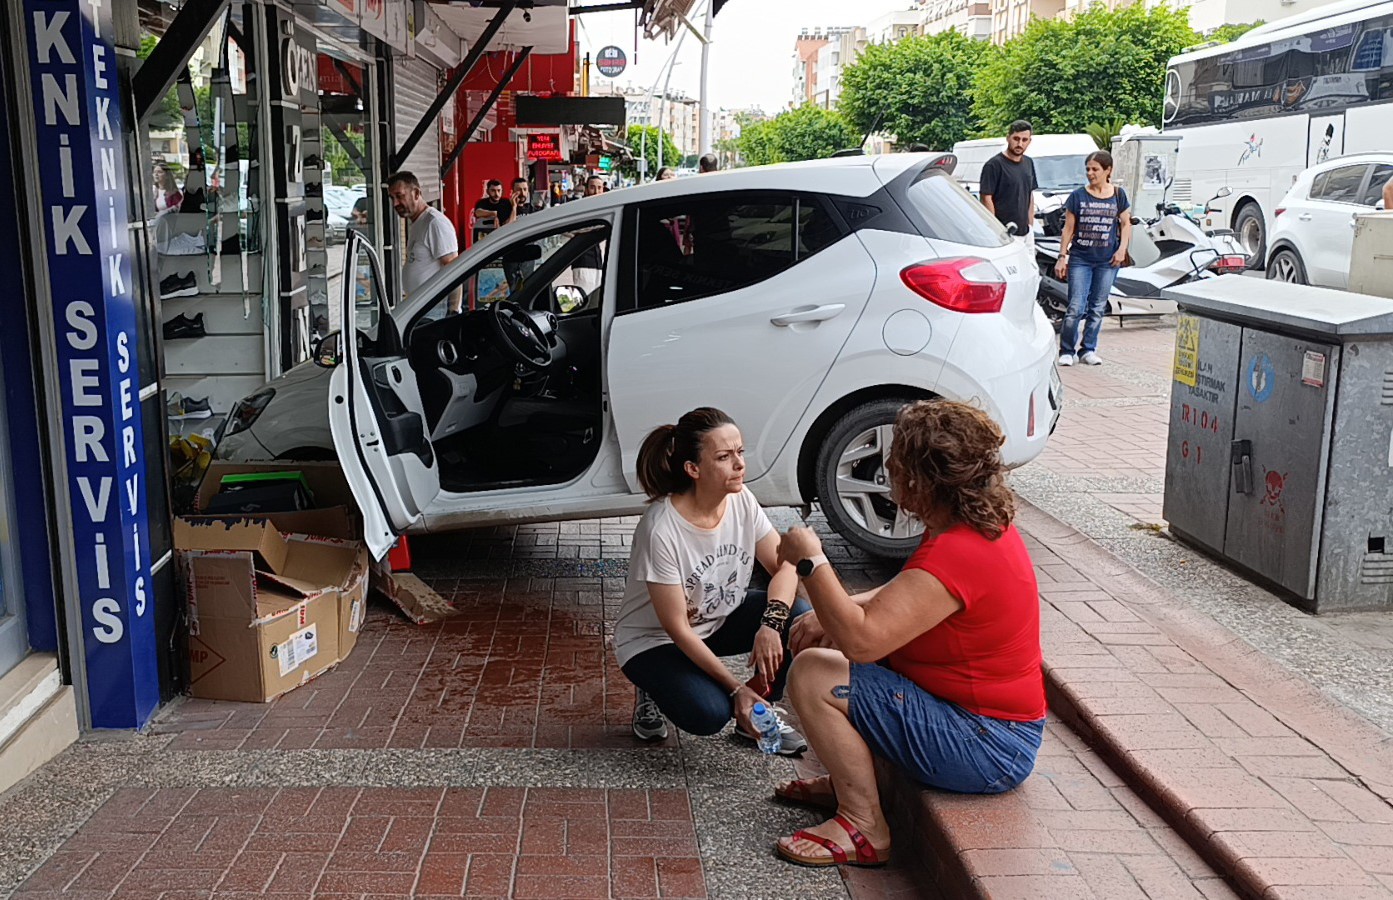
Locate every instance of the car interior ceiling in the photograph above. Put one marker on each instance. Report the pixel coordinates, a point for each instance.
(536, 425)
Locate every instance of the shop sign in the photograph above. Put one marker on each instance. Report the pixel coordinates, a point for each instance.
(81, 167)
(298, 69)
(546, 147)
(611, 61)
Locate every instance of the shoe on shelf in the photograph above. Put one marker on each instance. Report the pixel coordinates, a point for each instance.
(177, 285)
(195, 408)
(182, 326)
(1066, 359)
(232, 246)
(314, 215)
(185, 245)
(314, 162)
(1091, 359)
(649, 724)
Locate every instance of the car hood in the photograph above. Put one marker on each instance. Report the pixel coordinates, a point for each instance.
(294, 424)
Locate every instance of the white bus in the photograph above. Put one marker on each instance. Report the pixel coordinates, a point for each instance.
(1285, 96)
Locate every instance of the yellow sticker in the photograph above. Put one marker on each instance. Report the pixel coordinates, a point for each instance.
(1187, 350)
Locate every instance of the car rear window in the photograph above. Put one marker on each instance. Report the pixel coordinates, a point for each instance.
(945, 211)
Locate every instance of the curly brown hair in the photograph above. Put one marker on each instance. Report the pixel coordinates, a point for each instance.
(946, 459)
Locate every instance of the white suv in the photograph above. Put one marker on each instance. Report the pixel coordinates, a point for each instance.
(809, 301)
(1314, 235)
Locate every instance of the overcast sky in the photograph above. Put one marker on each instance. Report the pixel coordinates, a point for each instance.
(751, 47)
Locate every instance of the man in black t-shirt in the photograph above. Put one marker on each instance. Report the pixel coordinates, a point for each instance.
(493, 211)
(1008, 183)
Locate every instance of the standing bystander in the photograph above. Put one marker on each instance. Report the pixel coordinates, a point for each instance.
(493, 210)
(431, 243)
(1008, 184)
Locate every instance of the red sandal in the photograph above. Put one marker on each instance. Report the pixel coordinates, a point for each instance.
(866, 855)
(800, 793)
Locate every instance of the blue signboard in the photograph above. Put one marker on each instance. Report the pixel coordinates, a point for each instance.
(81, 164)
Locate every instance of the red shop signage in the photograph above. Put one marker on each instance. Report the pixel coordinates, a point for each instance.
(544, 147)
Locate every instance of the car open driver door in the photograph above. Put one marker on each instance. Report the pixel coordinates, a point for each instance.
(375, 409)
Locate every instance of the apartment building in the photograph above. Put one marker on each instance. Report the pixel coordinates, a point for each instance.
(972, 18)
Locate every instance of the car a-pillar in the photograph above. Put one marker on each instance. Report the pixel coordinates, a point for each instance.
(78, 180)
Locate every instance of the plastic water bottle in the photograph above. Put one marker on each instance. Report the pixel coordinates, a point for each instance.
(770, 729)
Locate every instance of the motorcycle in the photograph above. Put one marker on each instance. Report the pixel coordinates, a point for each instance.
(1173, 248)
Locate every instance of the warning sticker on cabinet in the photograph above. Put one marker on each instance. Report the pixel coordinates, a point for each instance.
(299, 648)
(1187, 350)
(1313, 369)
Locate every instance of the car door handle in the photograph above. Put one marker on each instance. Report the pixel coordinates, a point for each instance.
(809, 314)
(1305, 217)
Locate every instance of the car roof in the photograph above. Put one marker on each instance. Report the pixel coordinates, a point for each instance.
(853, 176)
(1368, 156)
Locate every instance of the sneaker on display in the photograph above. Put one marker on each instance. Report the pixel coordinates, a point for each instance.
(1091, 359)
(182, 326)
(185, 245)
(193, 202)
(1066, 359)
(195, 408)
(177, 285)
(649, 724)
(232, 246)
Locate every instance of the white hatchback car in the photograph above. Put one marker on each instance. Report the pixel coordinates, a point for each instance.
(1314, 235)
(809, 301)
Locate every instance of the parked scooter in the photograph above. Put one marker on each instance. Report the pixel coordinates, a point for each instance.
(1171, 249)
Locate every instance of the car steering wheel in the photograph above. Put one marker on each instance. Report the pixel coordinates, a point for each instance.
(519, 334)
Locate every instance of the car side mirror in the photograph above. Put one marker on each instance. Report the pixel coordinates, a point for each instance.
(568, 297)
(327, 352)
(1223, 192)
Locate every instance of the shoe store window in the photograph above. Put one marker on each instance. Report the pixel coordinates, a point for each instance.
(340, 173)
(204, 236)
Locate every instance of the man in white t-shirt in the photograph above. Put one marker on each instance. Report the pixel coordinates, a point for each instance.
(431, 242)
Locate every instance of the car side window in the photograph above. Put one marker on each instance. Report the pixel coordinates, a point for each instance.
(1344, 183)
(1318, 186)
(1373, 192)
(710, 244)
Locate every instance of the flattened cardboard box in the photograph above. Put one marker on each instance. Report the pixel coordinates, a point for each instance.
(263, 607)
(335, 514)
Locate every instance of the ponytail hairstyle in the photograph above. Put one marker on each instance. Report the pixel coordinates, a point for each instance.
(1101, 157)
(663, 457)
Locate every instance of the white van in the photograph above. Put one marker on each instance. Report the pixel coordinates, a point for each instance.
(1058, 162)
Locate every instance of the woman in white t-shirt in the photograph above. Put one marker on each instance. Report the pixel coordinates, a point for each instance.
(687, 600)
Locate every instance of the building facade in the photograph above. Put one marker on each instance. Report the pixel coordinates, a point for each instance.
(972, 18)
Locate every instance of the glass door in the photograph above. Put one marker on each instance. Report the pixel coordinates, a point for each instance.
(14, 636)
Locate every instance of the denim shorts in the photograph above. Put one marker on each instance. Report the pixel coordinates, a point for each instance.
(938, 743)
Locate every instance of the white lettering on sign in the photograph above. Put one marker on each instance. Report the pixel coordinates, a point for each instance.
(106, 612)
(297, 68)
(48, 37)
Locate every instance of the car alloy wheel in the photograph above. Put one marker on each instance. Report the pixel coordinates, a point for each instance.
(854, 486)
(1286, 266)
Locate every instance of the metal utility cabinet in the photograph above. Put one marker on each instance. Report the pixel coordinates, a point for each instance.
(1280, 454)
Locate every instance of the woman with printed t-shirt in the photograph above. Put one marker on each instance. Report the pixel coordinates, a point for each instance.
(1097, 229)
(686, 599)
(938, 670)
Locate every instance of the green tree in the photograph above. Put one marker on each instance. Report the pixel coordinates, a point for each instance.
(1063, 74)
(1226, 33)
(168, 115)
(809, 132)
(644, 138)
(918, 88)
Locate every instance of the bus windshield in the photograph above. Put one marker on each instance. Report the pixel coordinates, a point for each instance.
(1055, 174)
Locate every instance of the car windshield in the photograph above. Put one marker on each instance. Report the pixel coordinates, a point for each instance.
(1060, 173)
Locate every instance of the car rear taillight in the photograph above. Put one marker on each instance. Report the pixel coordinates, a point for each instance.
(1233, 264)
(1280, 210)
(964, 284)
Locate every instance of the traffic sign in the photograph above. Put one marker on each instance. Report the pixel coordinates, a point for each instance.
(611, 61)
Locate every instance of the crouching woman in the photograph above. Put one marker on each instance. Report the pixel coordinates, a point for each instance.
(687, 600)
(938, 670)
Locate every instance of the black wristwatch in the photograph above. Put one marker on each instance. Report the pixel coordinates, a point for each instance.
(806, 567)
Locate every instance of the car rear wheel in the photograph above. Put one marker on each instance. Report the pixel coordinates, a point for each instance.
(855, 488)
(1285, 265)
(1252, 233)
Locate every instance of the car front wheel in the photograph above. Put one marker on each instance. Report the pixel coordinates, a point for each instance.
(854, 486)
(1285, 265)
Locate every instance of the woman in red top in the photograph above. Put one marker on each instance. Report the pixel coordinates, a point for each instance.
(938, 670)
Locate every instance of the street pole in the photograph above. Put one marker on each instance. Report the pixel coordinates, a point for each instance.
(643, 136)
(704, 126)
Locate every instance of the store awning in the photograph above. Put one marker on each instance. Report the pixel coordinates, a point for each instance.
(543, 25)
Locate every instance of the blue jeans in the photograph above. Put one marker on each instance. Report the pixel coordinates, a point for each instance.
(938, 743)
(692, 700)
(1089, 286)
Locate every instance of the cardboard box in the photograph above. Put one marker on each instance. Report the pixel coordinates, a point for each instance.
(335, 512)
(352, 591)
(263, 607)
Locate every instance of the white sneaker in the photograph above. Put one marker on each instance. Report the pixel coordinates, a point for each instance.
(1091, 359)
(1066, 359)
(185, 245)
